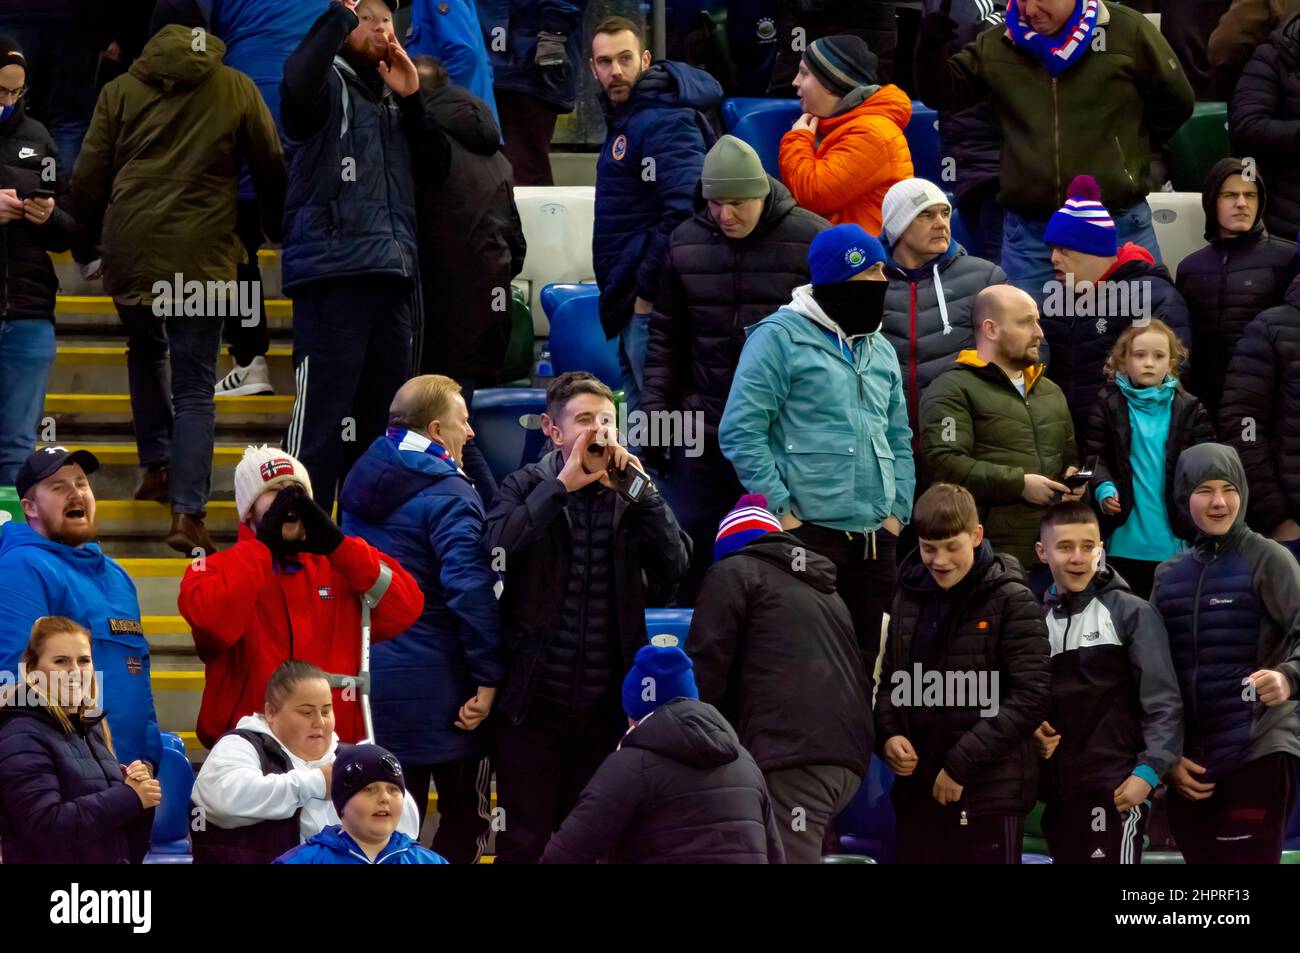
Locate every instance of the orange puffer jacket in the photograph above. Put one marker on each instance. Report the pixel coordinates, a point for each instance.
(862, 152)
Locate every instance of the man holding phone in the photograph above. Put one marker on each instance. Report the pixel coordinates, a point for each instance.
(996, 425)
(578, 553)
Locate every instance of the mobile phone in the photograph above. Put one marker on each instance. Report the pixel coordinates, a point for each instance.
(1076, 480)
(630, 482)
(39, 194)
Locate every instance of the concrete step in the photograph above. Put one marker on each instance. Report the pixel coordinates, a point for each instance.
(71, 282)
(81, 368)
(156, 578)
(131, 518)
(96, 412)
(119, 467)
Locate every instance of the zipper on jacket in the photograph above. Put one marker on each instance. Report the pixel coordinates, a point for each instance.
(1196, 650)
(913, 404)
(1056, 131)
(1124, 161)
(576, 697)
(1223, 289)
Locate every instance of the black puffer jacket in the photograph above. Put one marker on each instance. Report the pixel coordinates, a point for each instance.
(27, 155)
(996, 627)
(62, 797)
(795, 701)
(1227, 283)
(1263, 384)
(679, 790)
(1264, 122)
(471, 244)
(1110, 440)
(714, 287)
(530, 521)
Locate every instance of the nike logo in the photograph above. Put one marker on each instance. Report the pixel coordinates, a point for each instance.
(26, 152)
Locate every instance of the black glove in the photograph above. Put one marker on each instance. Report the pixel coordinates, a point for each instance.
(938, 29)
(270, 528)
(323, 534)
(552, 58)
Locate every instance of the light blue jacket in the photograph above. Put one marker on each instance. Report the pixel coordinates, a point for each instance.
(333, 845)
(820, 430)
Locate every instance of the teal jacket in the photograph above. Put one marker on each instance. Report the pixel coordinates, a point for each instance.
(820, 430)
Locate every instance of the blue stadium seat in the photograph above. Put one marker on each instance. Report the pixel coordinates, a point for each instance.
(170, 840)
(761, 123)
(960, 234)
(556, 293)
(505, 442)
(866, 826)
(672, 621)
(922, 134)
(578, 343)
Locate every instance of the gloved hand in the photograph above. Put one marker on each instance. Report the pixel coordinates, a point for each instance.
(552, 58)
(270, 529)
(938, 29)
(323, 534)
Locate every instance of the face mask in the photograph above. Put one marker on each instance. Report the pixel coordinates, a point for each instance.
(6, 112)
(856, 306)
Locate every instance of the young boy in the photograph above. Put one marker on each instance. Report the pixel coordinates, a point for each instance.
(368, 792)
(1115, 724)
(1232, 608)
(964, 682)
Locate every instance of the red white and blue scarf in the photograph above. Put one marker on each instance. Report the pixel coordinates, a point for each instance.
(1058, 53)
(410, 440)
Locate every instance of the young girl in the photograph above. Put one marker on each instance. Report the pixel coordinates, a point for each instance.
(1142, 422)
(64, 799)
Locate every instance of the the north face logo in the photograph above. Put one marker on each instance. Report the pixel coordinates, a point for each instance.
(278, 467)
(1091, 636)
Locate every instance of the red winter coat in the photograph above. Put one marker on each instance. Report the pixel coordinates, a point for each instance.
(247, 619)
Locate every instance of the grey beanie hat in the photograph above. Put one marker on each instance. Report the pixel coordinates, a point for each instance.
(732, 170)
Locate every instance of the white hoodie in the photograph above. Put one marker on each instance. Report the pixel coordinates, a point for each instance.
(232, 791)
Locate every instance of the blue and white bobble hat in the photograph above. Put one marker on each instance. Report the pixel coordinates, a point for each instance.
(839, 253)
(1083, 224)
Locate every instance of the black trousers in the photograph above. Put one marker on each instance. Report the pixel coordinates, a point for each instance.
(464, 805)
(931, 833)
(1089, 830)
(527, 125)
(701, 491)
(1244, 820)
(1140, 574)
(541, 770)
(248, 341)
(865, 571)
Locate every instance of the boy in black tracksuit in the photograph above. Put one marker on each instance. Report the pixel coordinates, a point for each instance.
(1115, 725)
(963, 620)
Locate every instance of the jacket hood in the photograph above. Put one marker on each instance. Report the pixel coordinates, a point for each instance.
(1210, 195)
(384, 478)
(970, 359)
(1132, 261)
(668, 83)
(1287, 40)
(1106, 580)
(776, 206)
(993, 567)
(466, 118)
(688, 731)
(888, 101)
(258, 725)
(779, 549)
(893, 269)
(168, 60)
(87, 557)
(1209, 461)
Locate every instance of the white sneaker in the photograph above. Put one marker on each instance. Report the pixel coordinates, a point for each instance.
(246, 381)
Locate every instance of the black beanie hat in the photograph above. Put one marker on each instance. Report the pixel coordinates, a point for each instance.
(180, 12)
(356, 766)
(841, 63)
(11, 53)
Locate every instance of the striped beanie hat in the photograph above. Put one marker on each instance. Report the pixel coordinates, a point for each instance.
(841, 63)
(748, 520)
(1083, 224)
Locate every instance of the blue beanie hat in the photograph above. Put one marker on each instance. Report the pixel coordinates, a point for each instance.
(1083, 224)
(358, 766)
(660, 673)
(839, 253)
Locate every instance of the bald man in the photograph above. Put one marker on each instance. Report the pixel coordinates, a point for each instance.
(994, 424)
(435, 683)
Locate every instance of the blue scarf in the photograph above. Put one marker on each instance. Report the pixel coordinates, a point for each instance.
(1058, 53)
(7, 111)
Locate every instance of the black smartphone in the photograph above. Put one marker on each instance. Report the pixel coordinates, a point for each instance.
(1076, 480)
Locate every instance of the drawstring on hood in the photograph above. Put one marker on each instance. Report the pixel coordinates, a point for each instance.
(802, 302)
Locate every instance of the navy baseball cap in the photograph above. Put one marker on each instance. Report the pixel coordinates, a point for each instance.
(48, 461)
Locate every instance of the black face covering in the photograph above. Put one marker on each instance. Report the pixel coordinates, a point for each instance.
(856, 306)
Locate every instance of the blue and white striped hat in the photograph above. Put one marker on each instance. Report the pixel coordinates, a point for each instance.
(1083, 224)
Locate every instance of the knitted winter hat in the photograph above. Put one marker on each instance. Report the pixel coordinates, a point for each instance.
(358, 766)
(733, 170)
(906, 199)
(841, 63)
(839, 253)
(748, 520)
(1083, 224)
(265, 468)
(11, 54)
(660, 673)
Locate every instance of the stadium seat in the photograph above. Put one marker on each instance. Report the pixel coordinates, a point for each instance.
(959, 232)
(1179, 221)
(866, 826)
(761, 123)
(505, 429)
(922, 134)
(671, 621)
(554, 295)
(1035, 842)
(557, 223)
(10, 507)
(1197, 145)
(170, 840)
(578, 342)
(519, 351)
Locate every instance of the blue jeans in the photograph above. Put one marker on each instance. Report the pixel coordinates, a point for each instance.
(1028, 261)
(174, 414)
(632, 343)
(26, 353)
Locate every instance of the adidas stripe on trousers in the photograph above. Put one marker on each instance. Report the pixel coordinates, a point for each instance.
(1090, 831)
